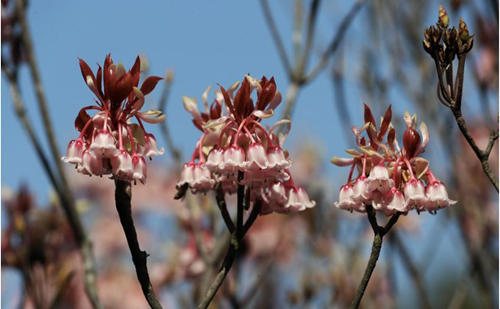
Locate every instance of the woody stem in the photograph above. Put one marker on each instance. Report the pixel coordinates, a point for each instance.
(123, 196)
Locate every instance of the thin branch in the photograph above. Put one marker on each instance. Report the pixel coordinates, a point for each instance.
(335, 43)
(253, 216)
(221, 203)
(481, 155)
(217, 282)
(67, 204)
(311, 22)
(372, 262)
(276, 37)
(162, 106)
(40, 94)
(123, 195)
(379, 233)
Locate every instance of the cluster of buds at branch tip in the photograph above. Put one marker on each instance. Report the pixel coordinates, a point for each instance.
(109, 142)
(390, 179)
(236, 149)
(444, 43)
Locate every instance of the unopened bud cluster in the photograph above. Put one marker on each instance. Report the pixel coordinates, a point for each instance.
(390, 179)
(109, 143)
(236, 149)
(444, 43)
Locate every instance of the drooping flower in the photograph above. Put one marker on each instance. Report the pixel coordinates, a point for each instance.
(398, 180)
(236, 149)
(109, 143)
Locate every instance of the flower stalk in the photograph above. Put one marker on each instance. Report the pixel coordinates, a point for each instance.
(379, 233)
(123, 196)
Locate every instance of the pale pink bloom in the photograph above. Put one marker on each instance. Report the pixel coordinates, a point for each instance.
(437, 196)
(202, 179)
(256, 157)
(151, 147)
(379, 179)
(122, 166)
(234, 159)
(74, 152)
(346, 198)
(277, 193)
(91, 164)
(415, 194)
(215, 160)
(187, 174)
(104, 145)
(379, 200)
(361, 192)
(298, 200)
(276, 159)
(139, 168)
(397, 201)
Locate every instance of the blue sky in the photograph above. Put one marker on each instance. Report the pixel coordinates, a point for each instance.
(205, 43)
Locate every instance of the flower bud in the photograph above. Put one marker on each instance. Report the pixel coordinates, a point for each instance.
(443, 20)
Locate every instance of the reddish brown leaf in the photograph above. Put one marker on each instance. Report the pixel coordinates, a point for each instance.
(107, 75)
(135, 71)
(369, 116)
(385, 123)
(99, 80)
(391, 137)
(121, 89)
(227, 99)
(242, 99)
(86, 71)
(267, 94)
(81, 120)
(149, 84)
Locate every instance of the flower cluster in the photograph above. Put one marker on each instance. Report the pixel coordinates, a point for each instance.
(109, 143)
(236, 149)
(390, 179)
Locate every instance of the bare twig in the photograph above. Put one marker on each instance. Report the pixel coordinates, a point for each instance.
(337, 39)
(162, 106)
(60, 183)
(235, 243)
(276, 37)
(123, 195)
(379, 232)
(221, 202)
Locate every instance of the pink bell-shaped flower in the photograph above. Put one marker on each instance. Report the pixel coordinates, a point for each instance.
(151, 147)
(234, 159)
(256, 157)
(122, 166)
(187, 175)
(91, 164)
(298, 200)
(104, 145)
(397, 201)
(139, 168)
(277, 194)
(215, 160)
(346, 198)
(74, 152)
(361, 192)
(379, 179)
(437, 196)
(202, 179)
(415, 194)
(276, 159)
